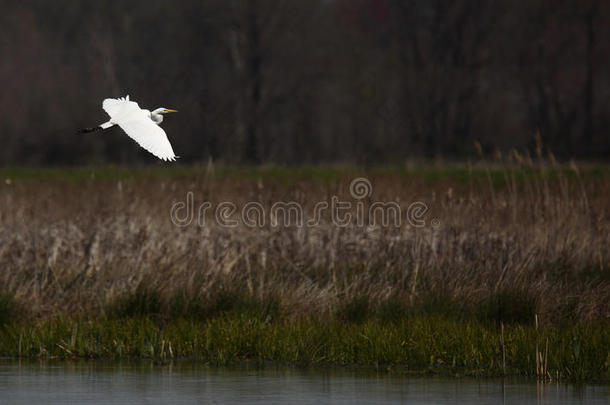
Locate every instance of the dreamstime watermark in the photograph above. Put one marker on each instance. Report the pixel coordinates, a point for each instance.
(360, 211)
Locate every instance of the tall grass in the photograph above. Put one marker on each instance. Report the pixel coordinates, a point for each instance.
(530, 240)
(92, 266)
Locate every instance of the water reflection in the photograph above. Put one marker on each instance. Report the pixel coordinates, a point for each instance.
(185, 383)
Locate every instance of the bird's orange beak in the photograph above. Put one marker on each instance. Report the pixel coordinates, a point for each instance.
(167, 110)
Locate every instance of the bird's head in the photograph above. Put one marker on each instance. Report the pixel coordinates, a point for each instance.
(163, 110)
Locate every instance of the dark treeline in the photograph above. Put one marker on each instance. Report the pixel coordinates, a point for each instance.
(311, 81)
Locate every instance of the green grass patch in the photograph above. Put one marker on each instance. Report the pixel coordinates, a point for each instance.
(283, 175)
(418, 344)
(434, 334)
(287, 175)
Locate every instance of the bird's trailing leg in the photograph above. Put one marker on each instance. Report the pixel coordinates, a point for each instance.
(101, 127)
(87, 130)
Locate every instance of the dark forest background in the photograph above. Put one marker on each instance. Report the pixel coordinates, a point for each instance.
(305, 82)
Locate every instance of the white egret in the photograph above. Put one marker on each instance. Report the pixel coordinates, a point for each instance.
(141, 125)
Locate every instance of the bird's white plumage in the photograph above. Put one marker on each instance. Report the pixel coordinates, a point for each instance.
(137, 123)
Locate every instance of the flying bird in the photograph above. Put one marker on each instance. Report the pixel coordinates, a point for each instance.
(141, 125)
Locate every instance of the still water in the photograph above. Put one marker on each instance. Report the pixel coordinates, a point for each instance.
(187, 383)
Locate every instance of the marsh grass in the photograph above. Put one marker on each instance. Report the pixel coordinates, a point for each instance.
(97, 249)
(537, 242)
(414, 344)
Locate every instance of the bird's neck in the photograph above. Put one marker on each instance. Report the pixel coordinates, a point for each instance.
(156, 118)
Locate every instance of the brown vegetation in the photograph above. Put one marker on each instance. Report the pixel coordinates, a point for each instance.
(509, 243)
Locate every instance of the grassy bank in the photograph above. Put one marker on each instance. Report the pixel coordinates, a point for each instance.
(418, 344)
(496, 337)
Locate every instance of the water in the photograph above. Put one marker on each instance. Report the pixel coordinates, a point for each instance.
(186, 383)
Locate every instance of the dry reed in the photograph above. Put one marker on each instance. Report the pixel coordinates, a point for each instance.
(507, 244)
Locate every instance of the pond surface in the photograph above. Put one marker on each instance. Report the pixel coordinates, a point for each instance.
(102, 382)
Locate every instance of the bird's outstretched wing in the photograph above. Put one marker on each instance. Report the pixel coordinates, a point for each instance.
(137, 124)
(117, 107)
(149, 135)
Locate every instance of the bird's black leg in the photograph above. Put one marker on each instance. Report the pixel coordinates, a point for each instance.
(87, 130)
